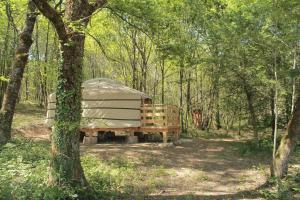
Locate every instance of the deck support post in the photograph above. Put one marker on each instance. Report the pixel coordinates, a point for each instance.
(131, 133)
(175, 136)
(90, 140)
(165, 137)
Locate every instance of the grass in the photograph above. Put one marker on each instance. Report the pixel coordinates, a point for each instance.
(24, 174)
(28, 113)
(212, 134)
(24, 168)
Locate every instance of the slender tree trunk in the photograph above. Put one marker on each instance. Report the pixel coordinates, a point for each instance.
(217, 115)
(4, 56)
(27, 86)
(21, 57)
(251, 108)
(275, 108)
(188, 99)
(134, 62)
(181, 71)
(155, 85)
(39, 80)
(162, 81)
(294, 81)
(272, 106)
(44, 76)
(240, 121)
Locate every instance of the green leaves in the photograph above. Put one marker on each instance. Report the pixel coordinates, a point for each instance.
(294, 73)
(2, 78)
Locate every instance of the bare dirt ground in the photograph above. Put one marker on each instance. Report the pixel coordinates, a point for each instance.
(196, 169)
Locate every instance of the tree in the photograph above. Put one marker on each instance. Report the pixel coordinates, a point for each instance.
(287, 145)
(65, 163)
(20, 61)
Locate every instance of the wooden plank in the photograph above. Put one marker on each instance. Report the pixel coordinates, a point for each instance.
(90, 140)
(153, 121)
(153, 114)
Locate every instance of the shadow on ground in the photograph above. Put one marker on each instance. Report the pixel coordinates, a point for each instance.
(201, 169)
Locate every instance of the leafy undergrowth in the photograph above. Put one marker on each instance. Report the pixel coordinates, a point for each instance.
(285, 189)
(263, 146)
(213, 134)
(24, 172)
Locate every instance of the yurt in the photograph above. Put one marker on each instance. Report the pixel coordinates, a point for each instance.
(106, 104)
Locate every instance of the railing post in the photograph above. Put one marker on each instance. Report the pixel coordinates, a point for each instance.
(165, 137)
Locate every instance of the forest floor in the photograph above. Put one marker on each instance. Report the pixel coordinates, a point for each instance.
(214, 166)
(198, 168)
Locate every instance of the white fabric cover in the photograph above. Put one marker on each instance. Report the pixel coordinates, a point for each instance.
(105, 104)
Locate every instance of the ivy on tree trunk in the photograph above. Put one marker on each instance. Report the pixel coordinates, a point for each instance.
(65, 166)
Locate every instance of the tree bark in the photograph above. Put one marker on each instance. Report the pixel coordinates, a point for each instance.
(4, 54)
(65, 163)
(181, 73)
(44, 76)
(134, 61)
(162, 68)
(188, 100)
(279, 167)
(272, 106)
(253, 119)
(20, 61)
(294, 81)
(275, 109)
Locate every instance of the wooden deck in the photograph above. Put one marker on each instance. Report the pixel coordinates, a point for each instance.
(155, 118)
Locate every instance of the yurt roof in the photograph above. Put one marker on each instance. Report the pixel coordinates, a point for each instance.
(106, 85)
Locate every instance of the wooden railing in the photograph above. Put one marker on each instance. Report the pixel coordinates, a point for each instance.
(160, 116)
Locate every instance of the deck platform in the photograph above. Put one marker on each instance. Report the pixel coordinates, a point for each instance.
(155, 118)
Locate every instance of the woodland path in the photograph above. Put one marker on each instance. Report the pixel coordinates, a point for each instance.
(196, 169)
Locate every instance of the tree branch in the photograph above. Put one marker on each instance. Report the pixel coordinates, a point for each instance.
(54, 17)
(114, 12)
(9, 16)
(96, 5)
(102, 48)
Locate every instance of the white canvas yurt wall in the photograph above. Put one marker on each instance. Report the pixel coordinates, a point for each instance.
(105, 104)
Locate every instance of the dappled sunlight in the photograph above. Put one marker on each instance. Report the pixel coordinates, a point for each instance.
(200, 167)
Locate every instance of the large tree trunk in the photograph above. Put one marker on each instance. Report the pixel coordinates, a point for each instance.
(65, 162)
(65, 166)
(279, 166)
(20, 61)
